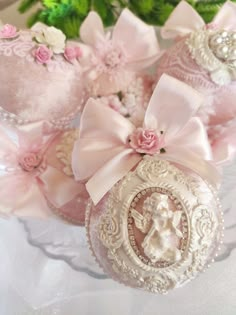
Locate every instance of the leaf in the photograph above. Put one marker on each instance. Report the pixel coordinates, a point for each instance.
(143, 6)
(101, 7)
(26, 5)
(110, 18)
(35, 17)
(207, 11)
(81, 6)
(50, 4)
(70, 26)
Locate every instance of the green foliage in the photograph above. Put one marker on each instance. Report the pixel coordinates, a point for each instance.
(69, 14)
(26, 5)
(143, 6)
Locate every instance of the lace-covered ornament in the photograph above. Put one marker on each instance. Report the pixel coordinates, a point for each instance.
(156, 229)
(206, 60)
(38, 78)
(74, 211)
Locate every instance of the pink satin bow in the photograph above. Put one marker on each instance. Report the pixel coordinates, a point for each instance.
(224, 146)
(103, 153)
(184, 20)
(113, 56)
(27, 179)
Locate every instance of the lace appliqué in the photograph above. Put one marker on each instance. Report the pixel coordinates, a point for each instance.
(157, 230)
(207, 50)
(65, 148)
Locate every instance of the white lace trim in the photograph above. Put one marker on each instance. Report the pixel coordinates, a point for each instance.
(65, 148)
(198, 44)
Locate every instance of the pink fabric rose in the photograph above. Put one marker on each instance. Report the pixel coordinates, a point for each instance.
(43, 54)
(8, 31)
(30, 161)
(72, 53)
(212, 26)
(146, 141)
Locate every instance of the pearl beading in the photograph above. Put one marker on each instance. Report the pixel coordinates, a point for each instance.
(223, 45)
(60, 124)
(215, 51)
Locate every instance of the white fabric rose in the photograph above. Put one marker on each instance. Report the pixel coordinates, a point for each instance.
(221, 76)
(52, 37)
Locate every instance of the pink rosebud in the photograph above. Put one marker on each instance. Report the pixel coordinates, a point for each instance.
(79, 52)
(43, 54)
(30, 161)
(8, 31)
(146, 141)
(72, 52)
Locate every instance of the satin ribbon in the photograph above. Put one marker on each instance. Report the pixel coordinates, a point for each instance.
(124, 59)
(27, 193)
(184, 20)
(224, 146)
(144, 49)
(103, 156)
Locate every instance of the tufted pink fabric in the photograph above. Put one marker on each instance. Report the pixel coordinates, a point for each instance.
(31, 91)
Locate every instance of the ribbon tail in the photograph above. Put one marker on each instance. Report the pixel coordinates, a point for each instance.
(103, 135)
(57, 188)
(107, 176)
(130, 28)
(28, 200)
(226, 17)
(185, 157)
(144, 63)
(194, 137)
(224, 147)
(34, 205)
(183, 20)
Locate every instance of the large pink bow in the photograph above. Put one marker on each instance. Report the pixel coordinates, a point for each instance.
(184, 20)
(114, 55)
(27, 179)
(104, 153)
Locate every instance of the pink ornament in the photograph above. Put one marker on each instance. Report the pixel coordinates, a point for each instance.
(36, 166)
(43, 54)
(204, 57)
(219, 106)
(8, 31)
(157, 228)
(186, 141)
(153, 222)
(45, 85)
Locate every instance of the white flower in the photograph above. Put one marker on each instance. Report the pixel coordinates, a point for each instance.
(221, 76)
(52, 37)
